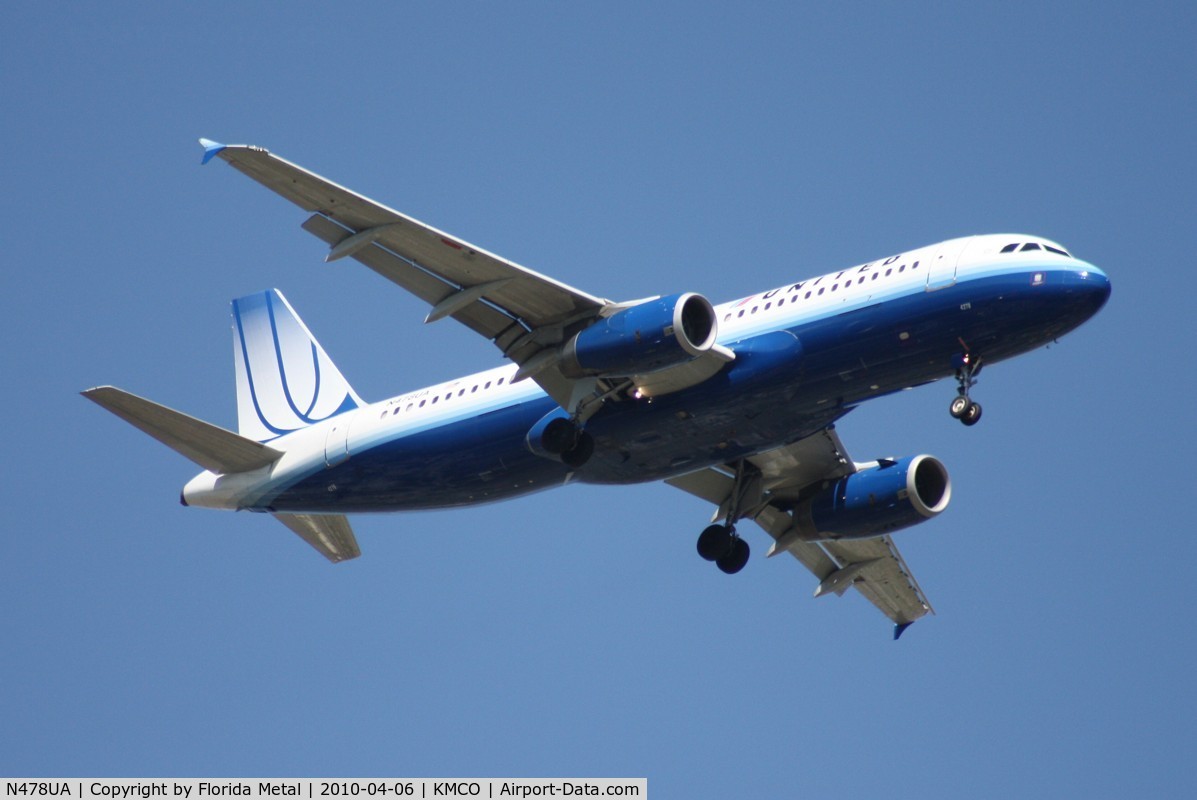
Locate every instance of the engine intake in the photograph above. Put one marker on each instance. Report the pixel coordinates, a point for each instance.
(881, 499)
(643, 339)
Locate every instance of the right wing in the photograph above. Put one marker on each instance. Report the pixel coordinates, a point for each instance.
(787, 475)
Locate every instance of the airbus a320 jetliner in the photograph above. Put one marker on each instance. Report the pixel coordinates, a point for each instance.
(734, 403)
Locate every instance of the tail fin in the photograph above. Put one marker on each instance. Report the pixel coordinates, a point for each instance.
(285, 380)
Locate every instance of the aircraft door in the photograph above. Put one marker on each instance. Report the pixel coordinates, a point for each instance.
(336, 441)
(941, 272)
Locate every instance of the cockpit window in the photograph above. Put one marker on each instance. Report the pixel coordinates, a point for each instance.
(1031, 246)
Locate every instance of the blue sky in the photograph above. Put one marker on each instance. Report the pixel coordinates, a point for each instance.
(628, 151)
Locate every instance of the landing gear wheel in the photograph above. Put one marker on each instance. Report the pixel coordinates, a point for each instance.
(959, 406)
(715, 542)
(968, 367)
(735, 560)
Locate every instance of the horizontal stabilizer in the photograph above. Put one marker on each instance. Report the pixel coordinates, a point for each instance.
(210, 446)
(328, 533)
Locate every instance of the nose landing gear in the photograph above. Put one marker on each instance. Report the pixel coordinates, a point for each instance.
(968, 367)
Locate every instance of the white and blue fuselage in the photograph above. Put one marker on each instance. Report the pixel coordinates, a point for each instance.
(805, 354)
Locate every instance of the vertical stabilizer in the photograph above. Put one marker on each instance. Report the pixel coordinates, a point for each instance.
(285, 380)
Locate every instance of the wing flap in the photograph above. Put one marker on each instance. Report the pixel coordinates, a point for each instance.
(479, 317)
(788, 470)
(885, 580)
(208, 445)
(330, 534)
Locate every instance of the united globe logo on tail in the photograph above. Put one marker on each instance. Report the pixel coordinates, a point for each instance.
(285, 380)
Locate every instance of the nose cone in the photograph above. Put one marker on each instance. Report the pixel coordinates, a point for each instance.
(1095, 286)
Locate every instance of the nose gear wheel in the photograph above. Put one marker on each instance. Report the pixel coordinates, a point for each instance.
(963, 407)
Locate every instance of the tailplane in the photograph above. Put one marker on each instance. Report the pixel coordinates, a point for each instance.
(285, 380)
(212, 447)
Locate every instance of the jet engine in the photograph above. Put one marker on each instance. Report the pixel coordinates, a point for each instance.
(882, 498)
(644, 338)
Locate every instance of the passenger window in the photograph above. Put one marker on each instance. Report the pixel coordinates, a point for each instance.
(500, 383)
(821, 292)
(902, 268)
(422, 402)
(889, 271)
(875, 274)
(487, 386)
(740, 314)
(807, 297)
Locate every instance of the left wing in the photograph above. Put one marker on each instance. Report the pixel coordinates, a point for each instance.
(786, 475)
(524, 313)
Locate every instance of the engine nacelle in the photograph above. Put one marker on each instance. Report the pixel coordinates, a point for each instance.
(881, 499)
(643, 339)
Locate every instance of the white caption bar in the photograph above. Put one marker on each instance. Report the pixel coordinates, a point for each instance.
(318, 788)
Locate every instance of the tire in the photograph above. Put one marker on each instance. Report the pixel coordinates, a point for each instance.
(972, 414)
(715, 542)
(959, 406)
(735, 560)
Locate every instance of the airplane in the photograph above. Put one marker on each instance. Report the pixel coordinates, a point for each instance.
(735, 403)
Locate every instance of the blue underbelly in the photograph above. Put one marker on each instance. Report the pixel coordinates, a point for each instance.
(783, 386)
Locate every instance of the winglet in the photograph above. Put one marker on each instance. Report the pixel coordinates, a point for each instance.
(211, 149)
(901, 626)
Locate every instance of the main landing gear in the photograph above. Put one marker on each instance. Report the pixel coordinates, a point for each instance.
(721, 543)
(968, 367)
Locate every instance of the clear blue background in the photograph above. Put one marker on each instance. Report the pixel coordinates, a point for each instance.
(629, 151)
